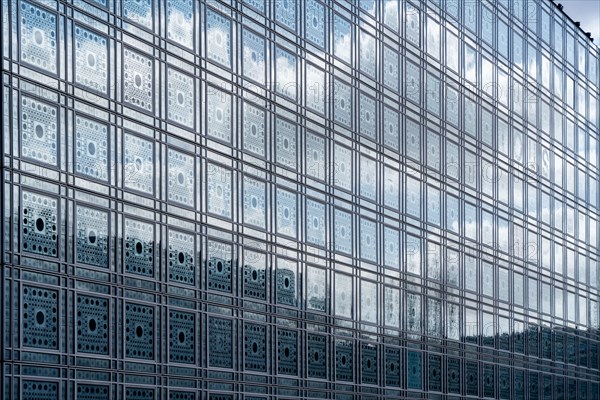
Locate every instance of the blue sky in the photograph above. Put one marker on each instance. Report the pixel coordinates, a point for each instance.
(587, 12)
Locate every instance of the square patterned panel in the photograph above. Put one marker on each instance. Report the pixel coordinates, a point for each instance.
(139, 11)
(315, 89)
(39, 132)
(219, 266)
(287, 352)
(139, 331)
(39, 37)
(255, 347)
(218, 38)
(91, 236)
(414, 369)
(138, 164)
(286, 73)
(220, 342)
(368, 54)
(342, 103)
(315, 156)
(91, 148)
(285, 13)
(254, 202)
(91, 60)
(182, 259)
(219, 190)
(40, 318)
(180, 22)
(342, 167)
(391, 189)
(368, 178)
(391, 307)
(435, 373)
(391, 129)
(391, 251)
(254, 130)
(315, 287)
(314, 22)
(139, 394)
(391, 69)
(343, 232)
(342, 38)
(218, 114)
(315, 222)
(92, 324)
(182, 178)
(286, 280)
(254, 56)
(286, 143)
(368, 116)
(182, 337)
(138, 79)
(255, 275)
(453, 375)
(39, 390)
(92, 392)
(471, 379)
(39, 229)
(344, 353)
(286, 213)
(368, 240)
(369, 364)
(317, 356)
(343, 293)
(393, 366)
(181, 98)
(139, 247)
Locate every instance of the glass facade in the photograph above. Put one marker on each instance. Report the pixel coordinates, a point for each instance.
(280, 199)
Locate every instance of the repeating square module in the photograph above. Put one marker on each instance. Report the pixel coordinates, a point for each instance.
(391, 68)
(139, 331)
(38, 29)
(315, 222)
(286, 281)
(218, 114)
(285, 13)
(92, 236)
(140, 12)
(391, 253)
(254, 202)
(343, 232)
(342, 167)
(182, 178)
(315, 156)
(39, 135)
(91, 60)
(182, 257)
(368, 116)
(342, 97)
(254, 57)
(92, 324)
(138, 164)
(39, 219)
(316, 282)
(91, 148)
(342, 38)
(286, 143)
(286, 72)
(368, 178)
(218, 38)
(315, 89)
(368, 54)
(138, 247)
(219, 266)
(181, 98)
(254, 131)
(315, 22)
(180, 22)
(255, 275)
(40, 317)
(219, 190)
(138, 79)
(286, 213)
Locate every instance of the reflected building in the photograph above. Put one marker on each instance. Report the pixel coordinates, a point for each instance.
(280, 199)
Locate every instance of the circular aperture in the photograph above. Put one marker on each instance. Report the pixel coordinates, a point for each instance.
(38, 36)
(92, 325)
(91, 148)
(138, 164)
(219, 266)
(219, 115)
(92, 237)
(315, 22)
(286, 143)
(254, 275)
(39, 224)
(138, 80)
(181, 337)
(343, 360)
(286, 282)
(139, 331)
(139, 247)
(180, 178)
(91, 60)
(286, 352)
(286, 213)
(180, 98)
(254, 347)
(39, 131)
(40, 317)
(254, 202)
